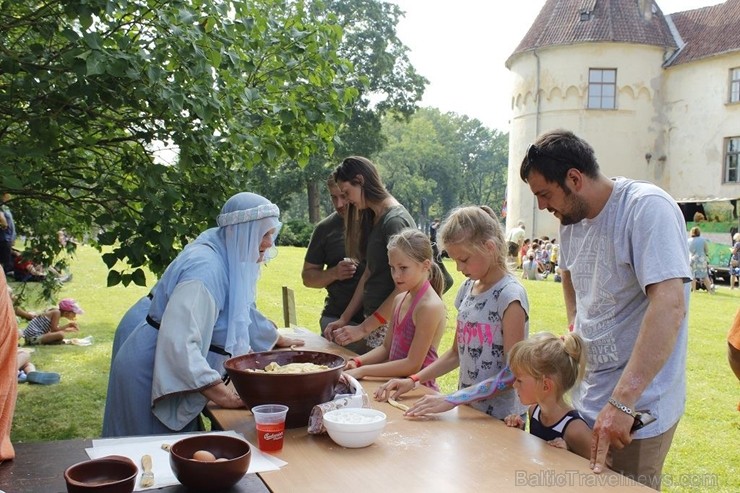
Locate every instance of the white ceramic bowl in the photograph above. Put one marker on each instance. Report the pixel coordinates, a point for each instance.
(354, 427)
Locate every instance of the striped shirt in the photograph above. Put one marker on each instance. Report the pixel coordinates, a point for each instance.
(37, 327)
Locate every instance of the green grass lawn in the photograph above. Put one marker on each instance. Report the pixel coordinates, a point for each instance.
(705, 447)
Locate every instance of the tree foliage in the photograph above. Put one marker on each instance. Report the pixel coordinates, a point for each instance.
(437, 161)
(90, 90)
(384, 79)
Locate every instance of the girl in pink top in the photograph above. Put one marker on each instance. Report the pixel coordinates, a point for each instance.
(418, 312)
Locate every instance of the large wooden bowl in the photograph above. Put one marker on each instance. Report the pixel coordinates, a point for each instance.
(299, 391)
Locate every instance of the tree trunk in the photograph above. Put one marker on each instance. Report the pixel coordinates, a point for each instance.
(314, 201)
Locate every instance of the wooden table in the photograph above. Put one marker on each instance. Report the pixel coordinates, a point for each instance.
(460, 450)
(39, 468)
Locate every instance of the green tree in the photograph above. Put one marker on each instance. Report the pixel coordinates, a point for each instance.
(383, 77)
(484, 160)
(92, 90)
(437, 161)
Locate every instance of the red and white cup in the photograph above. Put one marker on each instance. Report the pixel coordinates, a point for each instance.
(270, 423)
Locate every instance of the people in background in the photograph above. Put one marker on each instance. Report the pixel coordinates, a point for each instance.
(7, 234)
(531, 268)
(373, 216)
(27, 371)
(545, 368)
(515, 240)
(168, 358)
(626, 278)
(327, 266)
(735, 261)
(699, 261)
(20, 312)
(493, 313)
(46, 328)
(554, 254)
(526, 246)
(418, 313)
(26, 270)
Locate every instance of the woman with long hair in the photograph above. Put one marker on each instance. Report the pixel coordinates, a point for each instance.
(373, 216)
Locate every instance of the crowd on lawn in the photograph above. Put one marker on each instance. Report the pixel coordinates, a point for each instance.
(610, 387)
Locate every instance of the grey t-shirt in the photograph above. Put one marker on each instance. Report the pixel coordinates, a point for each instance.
(379, 284)
(638, 239)
(326, 248)
(479, 337)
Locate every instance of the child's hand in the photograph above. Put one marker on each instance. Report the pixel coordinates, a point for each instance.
(558, 443)
(430, 404)
(71, 327)
(351, 364)
(393, 388)
(358, 373)
(514, 421)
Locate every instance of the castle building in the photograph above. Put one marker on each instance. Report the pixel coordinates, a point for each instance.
(657, 96)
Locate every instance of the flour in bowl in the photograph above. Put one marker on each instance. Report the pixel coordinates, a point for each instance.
(354, 418)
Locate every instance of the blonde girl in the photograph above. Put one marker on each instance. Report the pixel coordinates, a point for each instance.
(492, 316)
(418, 312)
(545, 367)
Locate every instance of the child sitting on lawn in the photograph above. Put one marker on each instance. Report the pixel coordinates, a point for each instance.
(45, 328)
(27, 371)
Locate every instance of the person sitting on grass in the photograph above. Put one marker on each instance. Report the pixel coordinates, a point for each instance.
(545, 367)
(25, 270)
(530, 268)
(27, 371)
(20, 313)
(45, 328)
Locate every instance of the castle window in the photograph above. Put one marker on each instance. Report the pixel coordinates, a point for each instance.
(602, 88)
(732, 158)
(735, 85)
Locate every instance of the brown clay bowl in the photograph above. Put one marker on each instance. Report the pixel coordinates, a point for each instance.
(299, 391)
(111, 474)
(199, 475)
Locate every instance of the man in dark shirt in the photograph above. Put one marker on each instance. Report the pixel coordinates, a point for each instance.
(325, 265)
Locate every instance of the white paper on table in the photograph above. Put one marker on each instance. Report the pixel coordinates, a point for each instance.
(135, 447)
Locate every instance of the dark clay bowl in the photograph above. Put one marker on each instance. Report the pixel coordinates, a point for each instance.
(111, 474)
(205, 476)
(299, 391)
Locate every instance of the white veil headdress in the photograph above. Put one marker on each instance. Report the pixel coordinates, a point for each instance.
(243, 222)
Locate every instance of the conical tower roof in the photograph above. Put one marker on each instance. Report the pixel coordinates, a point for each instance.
(565, 22)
